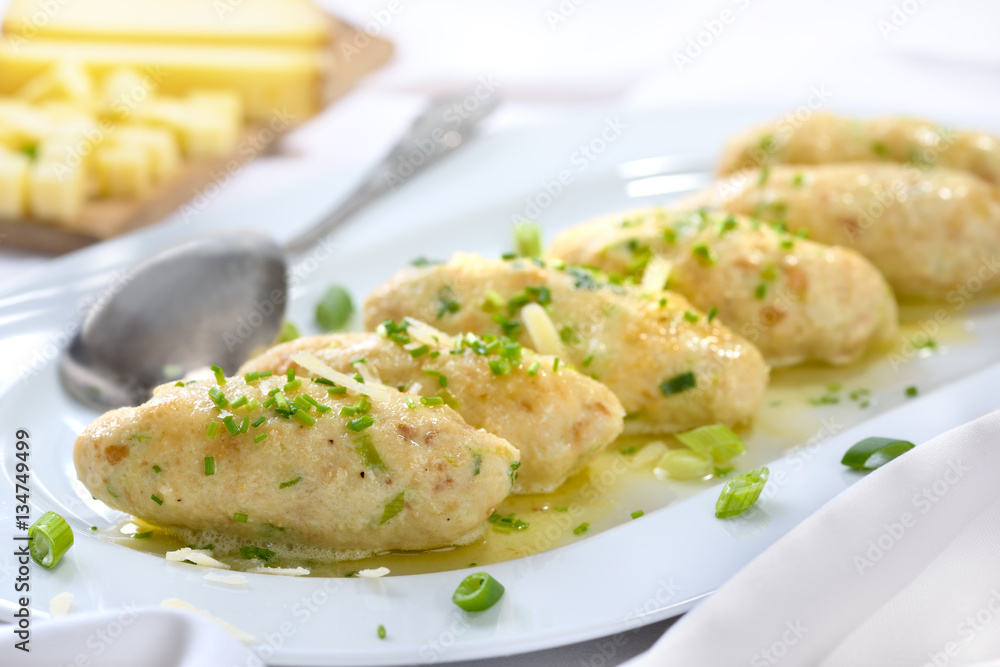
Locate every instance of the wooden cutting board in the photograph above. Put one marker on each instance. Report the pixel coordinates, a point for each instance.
(105, 218)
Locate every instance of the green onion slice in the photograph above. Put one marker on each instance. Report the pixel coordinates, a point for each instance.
(741, 492)
(369, 455)
(528, 239)
(478, 592)
(873, 453)
(394, 507)
(220, 376)
(716, 441)
(209, 465)
(684, 464)
(50, 537)
(334, 309)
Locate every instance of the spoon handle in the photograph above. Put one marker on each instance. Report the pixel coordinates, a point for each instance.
(447, 124)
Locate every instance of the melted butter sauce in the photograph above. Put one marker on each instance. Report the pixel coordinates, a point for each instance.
(618, 483)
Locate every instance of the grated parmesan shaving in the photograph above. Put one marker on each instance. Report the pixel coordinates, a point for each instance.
(61, 604)
(425, 333)
(321, 369)
(283, 571)
(373, 574)
(196, 556)
(230, 579)
(657, 274)
(174, 603)
(541, 330)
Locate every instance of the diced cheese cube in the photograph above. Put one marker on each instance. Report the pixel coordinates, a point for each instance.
(202, 133)
(13, 184)
(65, 81)
(159, 143)
(123, 170)
(122, 91)
(56, 192)
(287, 22)
(223, 102)
(21, 126)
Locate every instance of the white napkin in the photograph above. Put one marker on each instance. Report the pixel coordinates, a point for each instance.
(124, 638)
(903, 568)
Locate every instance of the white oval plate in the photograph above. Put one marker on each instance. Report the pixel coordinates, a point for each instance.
(619, 576)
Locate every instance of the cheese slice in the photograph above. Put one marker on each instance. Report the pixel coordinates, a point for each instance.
(280, 85)
(56, 191)
(123, 170)
(249, 22)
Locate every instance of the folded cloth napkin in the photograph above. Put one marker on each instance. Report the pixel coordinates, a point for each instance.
(903, 568)
(150, 638)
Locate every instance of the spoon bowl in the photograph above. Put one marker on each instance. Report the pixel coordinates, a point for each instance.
(215, 299)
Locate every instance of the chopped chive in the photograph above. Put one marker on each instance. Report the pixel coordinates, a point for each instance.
(292, 384)
(711, 314)
(156, 500)
(508, 523)
(244, 425)
(257, 422)
(555, 365)
(534, 368)
(691, 316)
(528, 239)
(761, 292)
(220, 376)
(291, 482)
(336, 390)
(716, 441)
(231, 426)
(638, 513)
(260, 438)
(209, 465)
(911, 391)
(157, 469)
(93, 527)
(441, 377)
(239, 402)
(253, 405)
(304, 417)
(361, 423)
(324, 381)
(290, 374)
(303, 403)
(256, 375)
(218, 397)
(678, 383)
(381, 632)
(418, 351)
(431, 400)
(143, 535)
(268, 403)
(581, 529)
(704, 254)
(410, 403)
(588, 360)
(239, 516)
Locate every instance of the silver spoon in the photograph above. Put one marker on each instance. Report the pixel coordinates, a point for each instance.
(178, 309)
